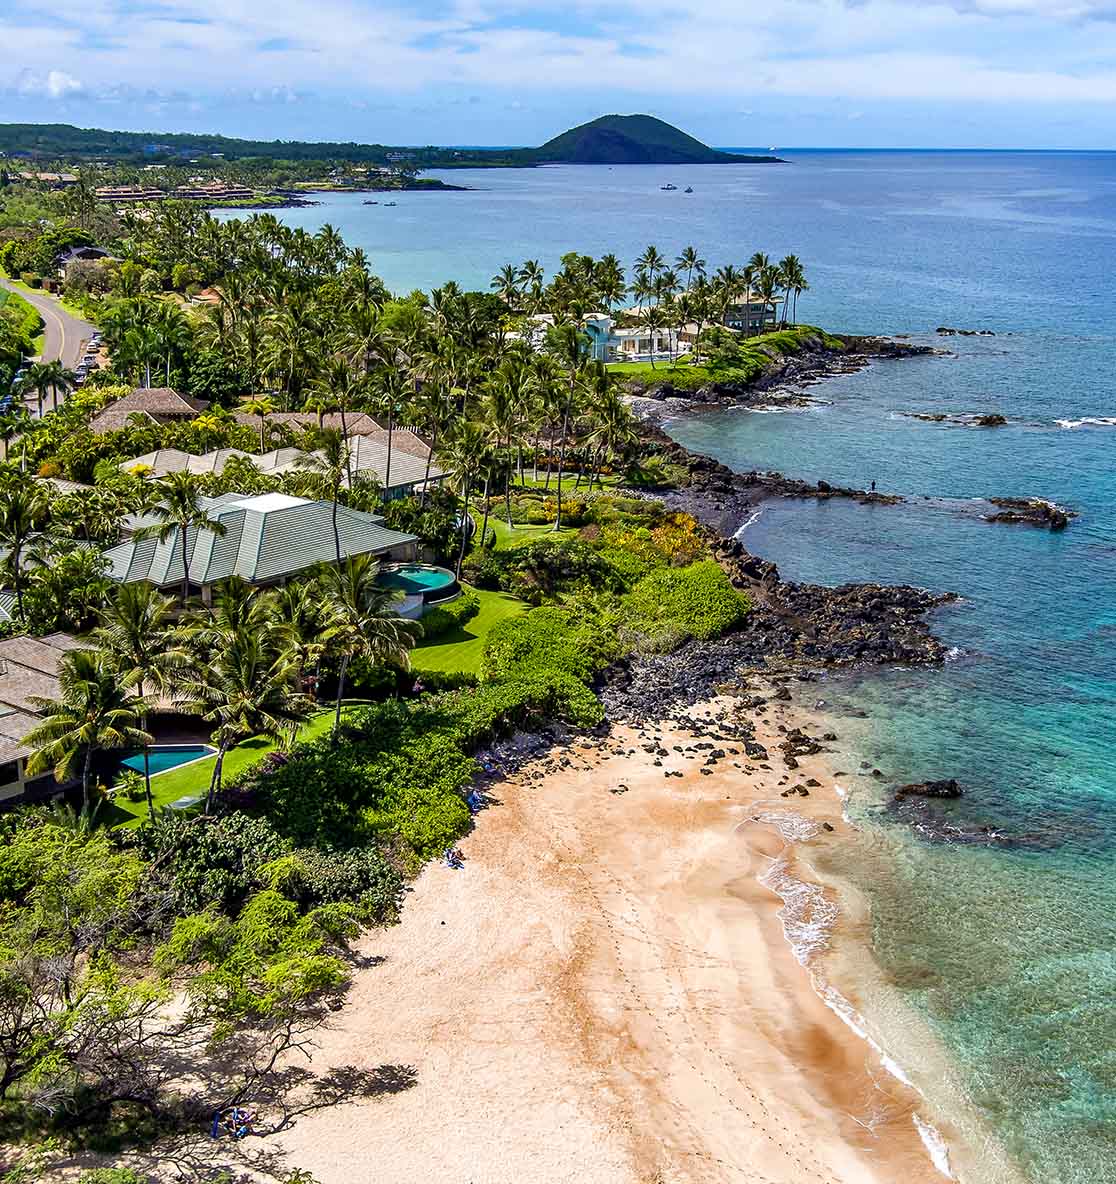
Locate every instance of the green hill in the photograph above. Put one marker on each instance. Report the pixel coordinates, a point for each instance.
(632, 139)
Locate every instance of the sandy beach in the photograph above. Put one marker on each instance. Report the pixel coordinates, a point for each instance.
(604, 992)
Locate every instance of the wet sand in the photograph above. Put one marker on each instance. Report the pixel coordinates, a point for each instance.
(604, 992)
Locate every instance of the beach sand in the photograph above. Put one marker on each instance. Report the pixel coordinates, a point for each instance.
(604, 992)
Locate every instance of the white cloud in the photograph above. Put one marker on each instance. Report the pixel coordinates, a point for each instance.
(1008, 51)
(54, 84)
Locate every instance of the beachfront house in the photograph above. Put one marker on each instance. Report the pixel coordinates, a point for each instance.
(268, 539)
(751, 314)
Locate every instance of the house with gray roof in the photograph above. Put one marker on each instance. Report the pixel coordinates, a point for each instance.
(28, 670)
(408, 470)
(268, 538)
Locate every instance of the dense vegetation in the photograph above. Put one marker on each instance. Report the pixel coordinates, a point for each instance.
(244, 908)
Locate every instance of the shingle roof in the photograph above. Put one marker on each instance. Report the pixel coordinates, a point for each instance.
(357, 423)
(28, 667)
(156, 403)
(266, 537)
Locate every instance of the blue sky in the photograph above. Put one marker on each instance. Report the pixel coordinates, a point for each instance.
(871, 73)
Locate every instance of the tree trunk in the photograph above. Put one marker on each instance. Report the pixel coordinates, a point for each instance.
(182, 530)
(562, 454)
(464, 531)
(261, 433)
(336, 533)
(429, 459)
(387, 468)
(147, 775)
(215, 780)
(484, 527)
(341, 675)
(86, 766)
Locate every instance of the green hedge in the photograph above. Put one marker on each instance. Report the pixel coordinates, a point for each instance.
(441, 620)
(21, 317)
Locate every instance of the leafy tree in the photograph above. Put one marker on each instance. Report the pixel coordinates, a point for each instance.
(97, 708)
(177, 507)
(137, 634)
(244, 686)
(363, 621)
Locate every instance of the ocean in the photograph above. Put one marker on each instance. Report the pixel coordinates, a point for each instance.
(999, 958)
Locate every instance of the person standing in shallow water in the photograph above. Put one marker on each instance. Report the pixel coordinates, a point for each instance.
(873, 487)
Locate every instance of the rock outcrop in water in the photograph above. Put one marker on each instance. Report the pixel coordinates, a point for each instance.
(987, 420)
(931, 789)
(1032, 511)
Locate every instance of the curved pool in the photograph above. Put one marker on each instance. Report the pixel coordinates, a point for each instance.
(433, 584)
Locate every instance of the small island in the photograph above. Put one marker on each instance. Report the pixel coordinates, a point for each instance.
(634, 139)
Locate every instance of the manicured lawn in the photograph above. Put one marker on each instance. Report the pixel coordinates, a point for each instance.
(194, 778)
(461, 649)
(516, 536)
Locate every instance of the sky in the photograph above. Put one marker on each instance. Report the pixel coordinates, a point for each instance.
(778, 73)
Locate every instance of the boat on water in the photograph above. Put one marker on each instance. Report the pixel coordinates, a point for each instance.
(688, 189)
(369, 203)
(668, 188)
(389, 203)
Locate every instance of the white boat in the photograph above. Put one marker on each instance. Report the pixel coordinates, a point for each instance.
(668, 188)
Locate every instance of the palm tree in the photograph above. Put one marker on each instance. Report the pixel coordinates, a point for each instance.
(651, 261)
(363, 623)
(690, 261)
(570, 347)
(330, 461)
(794, 281)
(136, 634)
(245, 686)
(38, 379)
(172, 332)
(505, 283)
(299, 619)
(178, 510)
(262, 406)
(464, 458)
(97, 708)
(59, 378)
(23, 511)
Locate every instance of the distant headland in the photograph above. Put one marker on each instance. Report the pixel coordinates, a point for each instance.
(611, 139)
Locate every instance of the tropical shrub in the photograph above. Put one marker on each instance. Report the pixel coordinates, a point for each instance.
(441, 620)
(206, 862)
(673, 604)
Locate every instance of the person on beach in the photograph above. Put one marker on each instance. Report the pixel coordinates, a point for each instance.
(873, 487)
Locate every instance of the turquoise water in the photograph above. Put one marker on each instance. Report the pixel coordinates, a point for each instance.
(162, 759)
(418, 579)
(1009, 953)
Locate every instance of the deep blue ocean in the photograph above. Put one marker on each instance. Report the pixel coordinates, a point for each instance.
(1007, 954)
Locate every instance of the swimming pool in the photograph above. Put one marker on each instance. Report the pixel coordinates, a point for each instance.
(168, 756)
(419, 579)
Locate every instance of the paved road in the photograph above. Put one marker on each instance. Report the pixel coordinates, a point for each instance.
(65, 333)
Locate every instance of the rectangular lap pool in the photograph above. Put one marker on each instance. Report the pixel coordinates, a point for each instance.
(168, 756)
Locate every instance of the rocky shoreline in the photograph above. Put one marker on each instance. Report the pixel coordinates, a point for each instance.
(783, 382)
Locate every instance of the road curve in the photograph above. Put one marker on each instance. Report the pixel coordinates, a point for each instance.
(65, 334)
